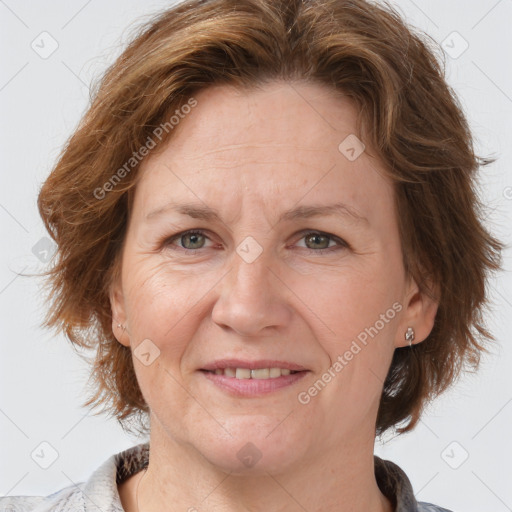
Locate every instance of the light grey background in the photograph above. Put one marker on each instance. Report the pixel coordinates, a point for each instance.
(42, 100)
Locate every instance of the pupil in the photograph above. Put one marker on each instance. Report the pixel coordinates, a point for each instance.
(193, 239)
(315, 238)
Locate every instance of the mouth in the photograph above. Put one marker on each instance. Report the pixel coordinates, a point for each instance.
(253, 378)
(257, 373)
(261, 369)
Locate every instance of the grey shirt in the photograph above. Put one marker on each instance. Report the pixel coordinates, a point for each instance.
(99, 493)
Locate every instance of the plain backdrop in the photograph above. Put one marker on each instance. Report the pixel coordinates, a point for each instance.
(458, 456)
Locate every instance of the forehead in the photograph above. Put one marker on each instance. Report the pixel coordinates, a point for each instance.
(281, 142)
(306, 116)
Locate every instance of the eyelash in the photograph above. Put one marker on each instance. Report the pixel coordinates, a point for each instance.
(341, 243)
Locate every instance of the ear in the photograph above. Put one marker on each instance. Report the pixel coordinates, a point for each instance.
(420, 309)
(117, 306)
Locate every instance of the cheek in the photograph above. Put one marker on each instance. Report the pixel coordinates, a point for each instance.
(350, 299)
(160, 308)
(164, 305)
(359, 310)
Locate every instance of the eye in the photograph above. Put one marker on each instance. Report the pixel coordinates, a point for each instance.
(190, 240)
(317, 241)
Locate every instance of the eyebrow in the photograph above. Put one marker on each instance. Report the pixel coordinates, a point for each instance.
(203, 212)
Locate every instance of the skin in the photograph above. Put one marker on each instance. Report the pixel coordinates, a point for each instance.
(253, 155)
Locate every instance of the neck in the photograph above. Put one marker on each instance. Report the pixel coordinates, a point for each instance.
(179, 478)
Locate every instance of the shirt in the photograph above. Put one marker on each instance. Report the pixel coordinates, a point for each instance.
(100, 494)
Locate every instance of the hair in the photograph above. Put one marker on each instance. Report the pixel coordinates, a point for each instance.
(410, 118)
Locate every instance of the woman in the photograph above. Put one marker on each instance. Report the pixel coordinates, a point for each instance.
(268, 228)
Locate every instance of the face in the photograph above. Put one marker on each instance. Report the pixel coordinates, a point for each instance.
(265, 280)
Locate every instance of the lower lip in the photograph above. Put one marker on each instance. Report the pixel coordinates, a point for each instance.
(253, 387)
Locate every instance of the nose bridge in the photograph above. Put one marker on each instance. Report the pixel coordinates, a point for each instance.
(251, 267)
(251, 276)
(251, 295)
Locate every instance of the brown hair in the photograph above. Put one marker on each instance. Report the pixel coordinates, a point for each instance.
(411, 119)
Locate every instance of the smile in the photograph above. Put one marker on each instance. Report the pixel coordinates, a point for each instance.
(251, 383)
(246, 373)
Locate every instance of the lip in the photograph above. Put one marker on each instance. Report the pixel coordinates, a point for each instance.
(253, 365)
(253, 387)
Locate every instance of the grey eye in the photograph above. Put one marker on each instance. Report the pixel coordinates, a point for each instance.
(192, 240)
(317, 241)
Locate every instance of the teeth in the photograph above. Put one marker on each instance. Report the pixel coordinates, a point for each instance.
(246, 373)
(275, 372)
(229, 372)
(243, 373)
(262, 373)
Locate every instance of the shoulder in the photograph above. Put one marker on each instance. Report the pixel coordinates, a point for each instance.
(99, 492)
(428, 507)
(395, 485)
(68, 498)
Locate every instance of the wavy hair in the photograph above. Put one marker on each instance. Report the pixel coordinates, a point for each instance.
(409, 116)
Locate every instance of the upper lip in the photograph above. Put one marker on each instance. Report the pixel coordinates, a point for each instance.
(252, 365)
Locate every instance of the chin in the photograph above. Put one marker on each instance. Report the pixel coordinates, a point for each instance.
(249, 459)
(257, 445)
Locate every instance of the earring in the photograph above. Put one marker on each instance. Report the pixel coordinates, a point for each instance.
(409, 335)
(119, 326)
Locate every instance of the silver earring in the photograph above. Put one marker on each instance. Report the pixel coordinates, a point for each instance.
(119, 326)
(409, 335)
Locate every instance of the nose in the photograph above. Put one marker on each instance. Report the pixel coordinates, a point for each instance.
(252, 298)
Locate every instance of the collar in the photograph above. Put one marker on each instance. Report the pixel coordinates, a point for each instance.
(101, 489)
